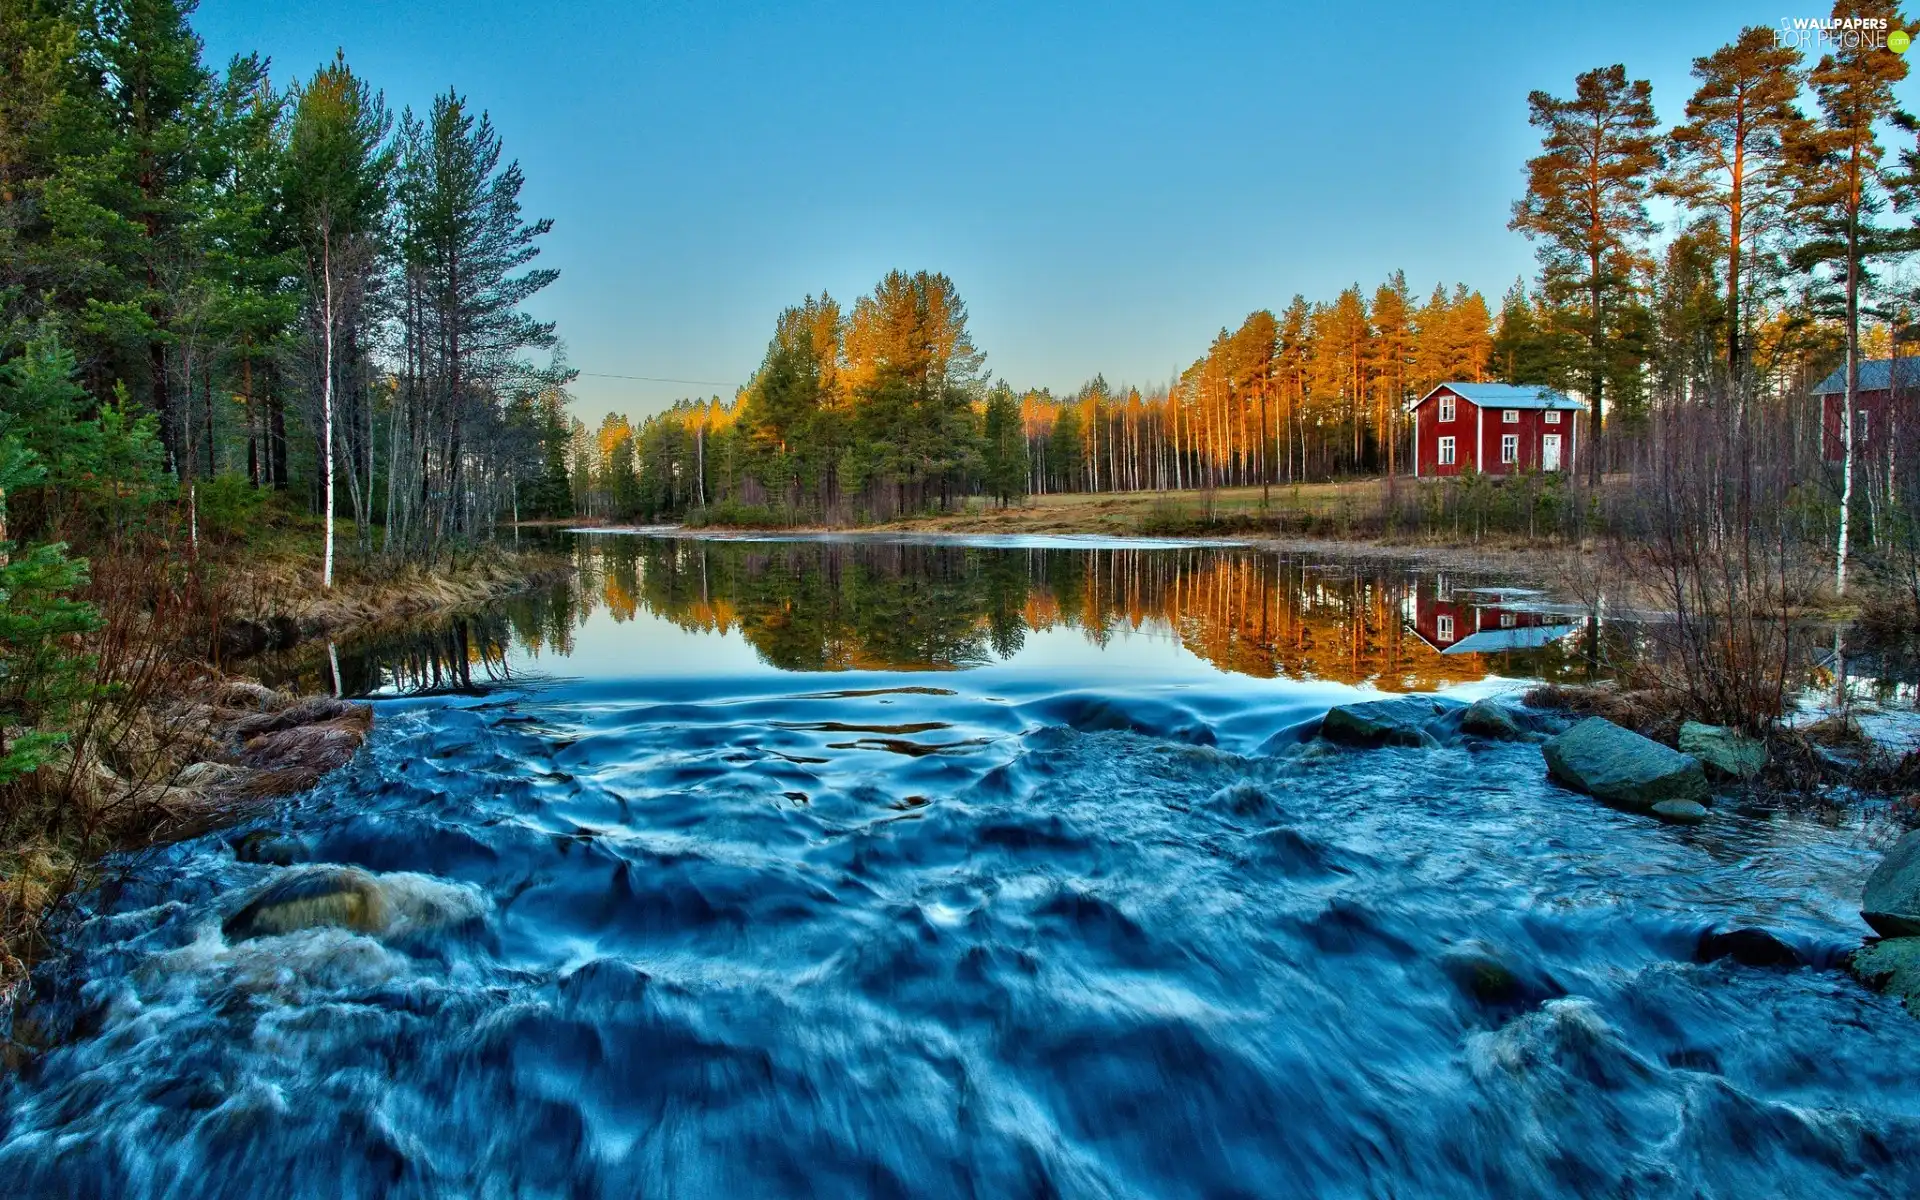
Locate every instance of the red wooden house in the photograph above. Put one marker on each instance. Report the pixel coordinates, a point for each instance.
(1885, 406)
(1495, 428)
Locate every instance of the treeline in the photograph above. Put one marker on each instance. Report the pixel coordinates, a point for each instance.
(1792, 217)
(287, 283)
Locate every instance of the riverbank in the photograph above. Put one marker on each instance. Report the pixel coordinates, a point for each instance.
(215, 741)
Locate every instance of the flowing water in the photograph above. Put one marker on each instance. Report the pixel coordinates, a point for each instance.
(874, 867)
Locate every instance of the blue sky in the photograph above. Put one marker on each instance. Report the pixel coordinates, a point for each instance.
(1107, 184)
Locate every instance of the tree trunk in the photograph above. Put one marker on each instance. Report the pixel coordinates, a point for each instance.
(1846, 408)
(326, 403)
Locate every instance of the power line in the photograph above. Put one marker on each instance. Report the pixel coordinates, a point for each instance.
(656, 379)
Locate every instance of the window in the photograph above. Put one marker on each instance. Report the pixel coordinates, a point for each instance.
(1509, 620)
(1552, 417)
(1443, 629)
(1446, 408)
(1860, 434)
(1509, 447)
(1446, 451)
(1510, 416)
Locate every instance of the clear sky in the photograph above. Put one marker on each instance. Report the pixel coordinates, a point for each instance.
(1108, 184)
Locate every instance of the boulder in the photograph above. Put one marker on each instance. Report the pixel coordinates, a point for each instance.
(1489, 719)
(1491, 980)
(320, 747)
(314, 710)
(1621, 767)
(1725, 752)
(247, 694)
(1680, 812)
(1748, 947)
(1404, 721)
(1891, 965)
(268, 846)
(1891, 900)
(311, 898)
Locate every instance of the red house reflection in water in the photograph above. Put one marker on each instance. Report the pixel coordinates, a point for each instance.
(1482, 620)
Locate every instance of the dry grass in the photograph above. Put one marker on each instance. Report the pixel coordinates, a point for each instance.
(189, 748)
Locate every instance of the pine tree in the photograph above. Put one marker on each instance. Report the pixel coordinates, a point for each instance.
(1586, 206)
(336, 194)
(1392, 362)
(1730, 157)
(1840, 190)
(155, 86)
(1004, 460)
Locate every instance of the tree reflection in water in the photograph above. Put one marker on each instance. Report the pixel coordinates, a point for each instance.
(901, 605)
(859, 604)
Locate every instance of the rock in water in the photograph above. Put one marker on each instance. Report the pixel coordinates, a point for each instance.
(1621, 767)
(1891, 901)
(1406, 721)
(1891, 966)
(308, 899)
(1724, 752)
(1680, 812)
(1748, 947)
(1488, 719)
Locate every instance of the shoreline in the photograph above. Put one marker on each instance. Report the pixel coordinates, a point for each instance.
(234, 743)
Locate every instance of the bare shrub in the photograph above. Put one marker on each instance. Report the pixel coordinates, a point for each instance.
(1708, 535)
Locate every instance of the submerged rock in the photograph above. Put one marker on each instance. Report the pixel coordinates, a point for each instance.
(1680, 812)
(1491, 981)
(268, 846)
(1891, 900)
(1891, 965)
(1748, 947)
(1620, 767)
(1490, 719)
(1404, 721)
(308, 899)
(1724, 752)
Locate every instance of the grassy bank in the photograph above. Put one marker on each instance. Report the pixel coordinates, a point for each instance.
(171, 736)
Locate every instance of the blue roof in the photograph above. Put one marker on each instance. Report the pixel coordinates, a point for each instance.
(1874, 374)
(1508, 395)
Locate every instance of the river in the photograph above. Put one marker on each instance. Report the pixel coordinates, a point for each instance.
(894, 867)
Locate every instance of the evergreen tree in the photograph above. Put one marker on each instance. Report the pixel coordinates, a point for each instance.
(148, 70)
(1730, 157)
(1004, 463)
(1065, 454)
(1586, 206)
(338, 167)
(1839, 191)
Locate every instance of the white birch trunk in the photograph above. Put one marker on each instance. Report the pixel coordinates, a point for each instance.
(326, 403)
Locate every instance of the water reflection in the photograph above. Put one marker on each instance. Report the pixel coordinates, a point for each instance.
(902, 605)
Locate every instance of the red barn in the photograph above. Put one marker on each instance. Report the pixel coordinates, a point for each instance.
(1495, 428)
(1883, 407)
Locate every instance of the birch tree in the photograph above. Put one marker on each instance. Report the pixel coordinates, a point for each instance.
(336, 195)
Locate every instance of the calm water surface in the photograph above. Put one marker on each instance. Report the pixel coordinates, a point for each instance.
(877, 867)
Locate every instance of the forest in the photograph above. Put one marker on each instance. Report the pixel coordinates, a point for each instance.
(279, 287)
(264, 344)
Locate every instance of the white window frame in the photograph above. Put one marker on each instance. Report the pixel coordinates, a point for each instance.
(1449, 451)
(1509, 448)
(1509, 416)
(1552, 417)
(1860, 434)
(1448, 409)
(1443, 628)
(1509, 620)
